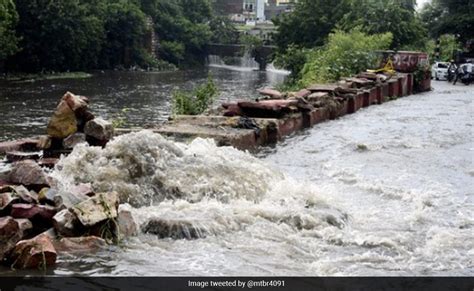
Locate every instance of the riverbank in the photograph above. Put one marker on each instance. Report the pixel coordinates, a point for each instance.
(18, 77)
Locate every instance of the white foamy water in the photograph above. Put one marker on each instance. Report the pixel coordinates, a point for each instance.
(386, 191)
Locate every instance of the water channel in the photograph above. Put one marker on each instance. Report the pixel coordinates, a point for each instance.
(386, 191)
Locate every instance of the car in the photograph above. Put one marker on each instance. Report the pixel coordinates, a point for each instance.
(439, 70)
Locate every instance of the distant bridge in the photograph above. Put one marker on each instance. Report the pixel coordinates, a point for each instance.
(262, 55)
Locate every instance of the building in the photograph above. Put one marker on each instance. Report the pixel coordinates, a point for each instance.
(275, 8)
(254, 11)
(229, 7)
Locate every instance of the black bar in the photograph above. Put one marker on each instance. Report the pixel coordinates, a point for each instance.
(239, 283)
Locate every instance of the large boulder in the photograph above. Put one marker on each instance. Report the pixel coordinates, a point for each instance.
(65, 223)
(63, 122)
(25, 195)
(72, 196)
(99, 129)
(84, 244)
(30, 211)
(97, 209)
(16, 156)
(175, 229)
(28, 173)
(126, 224)
(272, 93)
(9, 235)
(24, 225)
(34, 253)
(6, 201)
(75, 102)
(74, 139)
(18, 145)
(47, 196)
(44, 142)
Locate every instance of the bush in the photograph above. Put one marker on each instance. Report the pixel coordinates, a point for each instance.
(344, 54)
(196, 102)
(292, 60)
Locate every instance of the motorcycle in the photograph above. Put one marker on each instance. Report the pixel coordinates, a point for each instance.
(467, 78)
(465, 74)
(452, 69)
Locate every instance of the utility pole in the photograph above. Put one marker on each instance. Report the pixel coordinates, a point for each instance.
(437, 49)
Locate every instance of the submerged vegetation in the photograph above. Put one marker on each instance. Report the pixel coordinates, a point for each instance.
(196, 102)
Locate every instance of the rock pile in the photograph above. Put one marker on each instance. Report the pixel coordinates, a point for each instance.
(331, 97)
(72, 124)
(36, 218)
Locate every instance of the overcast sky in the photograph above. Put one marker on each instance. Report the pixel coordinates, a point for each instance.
(421, 3)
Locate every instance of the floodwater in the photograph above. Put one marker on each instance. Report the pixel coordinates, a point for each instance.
(386, 191)
(135, 98)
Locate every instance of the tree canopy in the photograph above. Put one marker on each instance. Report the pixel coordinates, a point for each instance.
(380, 16)
(8, 21)
(449, 17)
(61, 35)
(310, 23)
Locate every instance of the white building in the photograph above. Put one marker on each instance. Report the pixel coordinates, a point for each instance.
(254, 11)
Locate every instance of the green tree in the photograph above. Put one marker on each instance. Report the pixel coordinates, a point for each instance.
(182, 27)
(380, 16)
(293, 60)
(449, 17)
(223, 30)
(125, 29)
(310, 23)
(8, 20)
(57, 35)
(448, 44)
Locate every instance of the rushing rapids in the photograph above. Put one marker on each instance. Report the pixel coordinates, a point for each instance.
(198, 186)
(387, 191)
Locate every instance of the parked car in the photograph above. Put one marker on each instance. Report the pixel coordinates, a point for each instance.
(439, 70)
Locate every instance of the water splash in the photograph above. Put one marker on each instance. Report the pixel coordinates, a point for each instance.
(195, 190)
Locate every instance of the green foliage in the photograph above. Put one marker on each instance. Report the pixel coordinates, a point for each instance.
(63, 35)
(8, 20)
(182, 27)
(251, 43)
(57, 35)
(449, 17)
(310, 23)
(172, 51)
(421, 73)
(380, 16)
(223, 31)
(292, 60)
(125, 29)
(448, 45)
(196, 102)
(345, 54)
